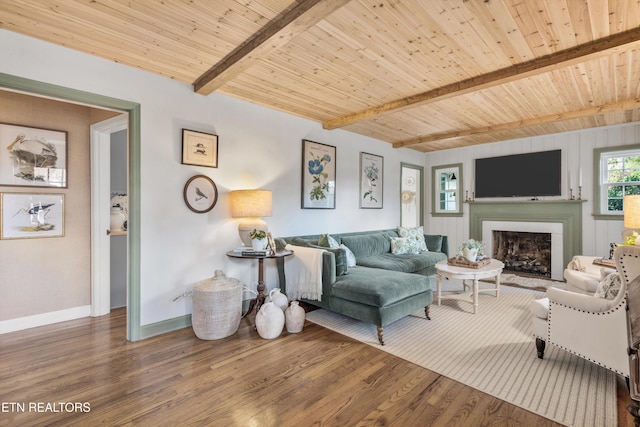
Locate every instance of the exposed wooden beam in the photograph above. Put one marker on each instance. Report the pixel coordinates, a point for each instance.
(565, 58)
(296, 19)
(571, 115)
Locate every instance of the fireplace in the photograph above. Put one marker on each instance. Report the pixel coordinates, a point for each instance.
(561, 218)
(519, 239)
(523, 252)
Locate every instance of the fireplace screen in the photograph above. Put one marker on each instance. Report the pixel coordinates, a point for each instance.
(523, 252)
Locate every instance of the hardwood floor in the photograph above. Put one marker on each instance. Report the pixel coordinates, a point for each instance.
(84, 372)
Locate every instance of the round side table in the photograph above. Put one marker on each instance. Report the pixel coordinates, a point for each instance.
(259, 299)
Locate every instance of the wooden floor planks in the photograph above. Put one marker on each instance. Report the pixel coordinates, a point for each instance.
(317, 377)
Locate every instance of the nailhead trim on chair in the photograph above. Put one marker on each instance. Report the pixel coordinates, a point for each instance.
(622, 304)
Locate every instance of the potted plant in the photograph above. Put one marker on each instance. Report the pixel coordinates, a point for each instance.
(470, 249)
(258, 239)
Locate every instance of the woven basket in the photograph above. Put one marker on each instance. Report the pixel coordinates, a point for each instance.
(217, 307)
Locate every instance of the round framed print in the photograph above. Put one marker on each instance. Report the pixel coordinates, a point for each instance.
(200, 194)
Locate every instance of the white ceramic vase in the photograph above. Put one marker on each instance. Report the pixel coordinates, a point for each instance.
(116, 221)
(270, 321)
(258, 244)
(294, 317)
(470, 254)
(279, 299)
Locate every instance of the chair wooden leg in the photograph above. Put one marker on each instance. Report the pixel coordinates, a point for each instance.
(426, 311)
(540, 345)
(380, 332)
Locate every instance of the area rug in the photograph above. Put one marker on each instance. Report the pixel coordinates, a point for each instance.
(536, 283)
(493, 351)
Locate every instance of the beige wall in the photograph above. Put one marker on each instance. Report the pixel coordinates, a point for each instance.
(50, 274)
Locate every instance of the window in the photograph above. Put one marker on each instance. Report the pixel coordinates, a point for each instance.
(447, 190)
(619, 176)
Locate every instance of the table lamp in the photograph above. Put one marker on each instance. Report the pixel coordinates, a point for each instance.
(251, 206)
(631, 217)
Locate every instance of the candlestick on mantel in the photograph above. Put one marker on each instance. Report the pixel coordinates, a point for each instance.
(580, 178)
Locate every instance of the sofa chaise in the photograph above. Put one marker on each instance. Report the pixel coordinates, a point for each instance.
(383, 286)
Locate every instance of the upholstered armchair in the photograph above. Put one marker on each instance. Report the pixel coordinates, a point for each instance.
(583, 276)
(588, 326)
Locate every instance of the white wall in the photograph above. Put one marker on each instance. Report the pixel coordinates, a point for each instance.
(258, 148)
(577, 153)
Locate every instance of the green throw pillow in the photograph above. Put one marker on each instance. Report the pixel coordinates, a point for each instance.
(328, 242)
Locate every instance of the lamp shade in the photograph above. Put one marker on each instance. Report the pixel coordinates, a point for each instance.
(250, 203)
(251, 206)
(632, 211)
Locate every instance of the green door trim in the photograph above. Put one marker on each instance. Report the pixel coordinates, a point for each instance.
(34, 87)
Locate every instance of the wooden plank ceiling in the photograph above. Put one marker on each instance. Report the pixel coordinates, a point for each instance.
(423, 74)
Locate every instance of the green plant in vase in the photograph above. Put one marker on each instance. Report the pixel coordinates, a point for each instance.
(471, 249)
(258, 239)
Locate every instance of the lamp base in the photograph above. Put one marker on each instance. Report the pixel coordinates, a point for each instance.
(247, 226)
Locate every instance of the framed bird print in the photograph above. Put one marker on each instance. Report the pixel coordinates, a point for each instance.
(32, 157)
(199, 148)
(200, 194)
(28, 216)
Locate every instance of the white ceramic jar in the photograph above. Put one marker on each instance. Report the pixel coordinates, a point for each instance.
(294, 317)
(269, 321)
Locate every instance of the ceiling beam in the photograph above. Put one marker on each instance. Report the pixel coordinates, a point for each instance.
(296, 19)
(565, 58)
(486, 130)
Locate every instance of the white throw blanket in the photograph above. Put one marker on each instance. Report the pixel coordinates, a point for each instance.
(303, 271)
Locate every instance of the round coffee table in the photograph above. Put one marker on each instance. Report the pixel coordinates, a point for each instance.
(470, 292)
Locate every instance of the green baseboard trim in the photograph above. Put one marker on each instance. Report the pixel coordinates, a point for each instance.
(169, 325)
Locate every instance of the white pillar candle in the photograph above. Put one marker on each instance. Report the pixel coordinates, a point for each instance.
(580, 178)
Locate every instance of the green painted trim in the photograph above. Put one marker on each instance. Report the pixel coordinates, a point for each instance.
(597, 152)
(169, 325)
(608, 217)
(133, 109)
(434, 191)
(567, 212)
(420, 188)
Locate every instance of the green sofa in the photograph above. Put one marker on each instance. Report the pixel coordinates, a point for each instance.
(383, 287)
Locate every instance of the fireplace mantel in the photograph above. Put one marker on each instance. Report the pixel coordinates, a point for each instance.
(566, 212)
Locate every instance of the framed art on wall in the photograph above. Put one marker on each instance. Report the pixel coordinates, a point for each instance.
(371, 181)
(199, 148)
(318, 175)
(28, 216)
(32, 156)
(200, 193)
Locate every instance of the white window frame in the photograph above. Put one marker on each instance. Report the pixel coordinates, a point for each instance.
(603, 184)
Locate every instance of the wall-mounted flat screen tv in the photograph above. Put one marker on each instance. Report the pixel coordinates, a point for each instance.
(519, 175)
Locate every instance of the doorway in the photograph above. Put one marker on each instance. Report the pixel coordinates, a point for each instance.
(108, 164)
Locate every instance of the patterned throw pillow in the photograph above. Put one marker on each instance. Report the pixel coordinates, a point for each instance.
(415, 233)
(609, 287)
(404, 245)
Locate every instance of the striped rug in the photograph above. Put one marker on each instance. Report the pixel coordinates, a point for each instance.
(493, 351)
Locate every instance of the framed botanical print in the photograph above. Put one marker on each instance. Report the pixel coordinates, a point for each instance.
(371, 181)
(318, 175)
(28, 216)
(32, 156)
(199, 148)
